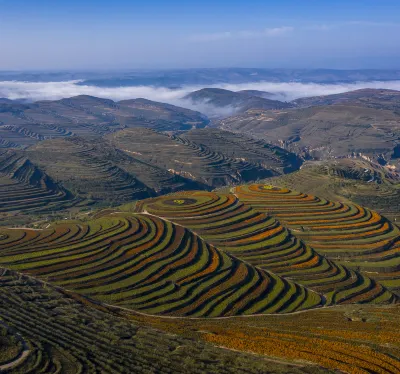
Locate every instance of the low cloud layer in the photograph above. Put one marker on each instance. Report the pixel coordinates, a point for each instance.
(34, 91)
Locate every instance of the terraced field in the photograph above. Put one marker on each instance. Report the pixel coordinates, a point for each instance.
(259, 239)
(350, 181)
(79, 296)
(46, 330)
(226, 160)
(147, 264)
(347, 233)
(244, 148)
(84, 168)
(138, 163)
(24, 188)
(104, 172)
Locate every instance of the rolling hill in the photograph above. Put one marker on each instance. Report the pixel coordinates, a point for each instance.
(327, 131)
(212, 157)
(245, 148)
(350, 234)
(348, 180)
(96, 168)
(23, 125)
(229, 222)
(55, 175)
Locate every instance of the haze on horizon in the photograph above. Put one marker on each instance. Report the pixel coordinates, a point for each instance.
(125, 34)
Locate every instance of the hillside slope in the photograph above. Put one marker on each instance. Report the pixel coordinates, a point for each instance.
(85, 168)
(348, 180)
(349, 234)
(45, 329)
(224, 160)
(26, 189)
(147, 264)
(335, 130)
(247, 233)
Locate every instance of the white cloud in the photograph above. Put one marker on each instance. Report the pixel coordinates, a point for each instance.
(244, 34)
(282, 91)
(278, 31)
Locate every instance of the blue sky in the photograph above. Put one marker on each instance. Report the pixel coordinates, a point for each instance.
(58, 34)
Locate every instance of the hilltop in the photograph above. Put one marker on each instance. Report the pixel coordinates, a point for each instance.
(236, 102)
(257, 93)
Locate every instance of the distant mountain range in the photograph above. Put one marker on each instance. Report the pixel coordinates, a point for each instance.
(203, 76)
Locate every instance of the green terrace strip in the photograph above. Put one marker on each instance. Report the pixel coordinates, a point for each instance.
(226, 222)
(151, 265)
(352, 235)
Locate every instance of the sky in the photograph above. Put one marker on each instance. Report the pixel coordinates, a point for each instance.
(127, 34)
